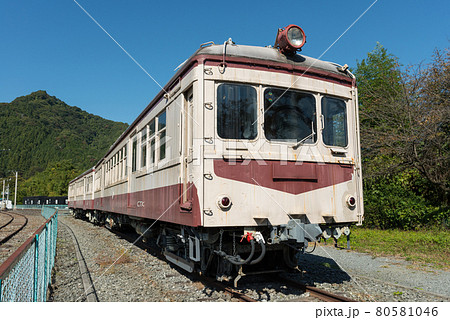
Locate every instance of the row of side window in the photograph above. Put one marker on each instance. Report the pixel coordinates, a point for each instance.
(152, 143)
(115, 169)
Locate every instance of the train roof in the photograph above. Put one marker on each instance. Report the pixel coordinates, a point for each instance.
(273, 55)
(84, 173)
(268, 57)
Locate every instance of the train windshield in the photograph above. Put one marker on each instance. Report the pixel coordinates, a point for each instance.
(236, 111)
(289, 115)
(335, 122)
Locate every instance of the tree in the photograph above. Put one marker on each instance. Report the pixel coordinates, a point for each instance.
(405, 118)
(428, 99)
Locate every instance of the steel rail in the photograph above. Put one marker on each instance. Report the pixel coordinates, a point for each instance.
(9, 263)
(227, 289)
(17, 230)
(198, 277)
(10, 220)
(88, 285)
(315, 292)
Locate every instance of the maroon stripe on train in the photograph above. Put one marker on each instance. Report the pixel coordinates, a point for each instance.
(163, 204)
(277, 67)
(291, 177)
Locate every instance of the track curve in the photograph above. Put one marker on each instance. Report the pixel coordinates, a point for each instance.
(14, 226)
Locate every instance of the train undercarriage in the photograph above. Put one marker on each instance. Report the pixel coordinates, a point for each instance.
(224, 253)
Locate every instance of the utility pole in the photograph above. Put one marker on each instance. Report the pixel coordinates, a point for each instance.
(15, 193)
(3, 195)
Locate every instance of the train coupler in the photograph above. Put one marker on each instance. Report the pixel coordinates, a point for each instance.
(295, 230)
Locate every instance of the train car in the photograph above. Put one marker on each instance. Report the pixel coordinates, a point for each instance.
(80, 192)
(245, 157)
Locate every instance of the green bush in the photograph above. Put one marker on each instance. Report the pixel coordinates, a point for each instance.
(399, 201)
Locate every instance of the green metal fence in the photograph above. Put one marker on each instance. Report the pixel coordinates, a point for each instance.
(26, 274)
(40, 206)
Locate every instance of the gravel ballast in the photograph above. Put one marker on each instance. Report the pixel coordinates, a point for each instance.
(121, 271)
(387, 269)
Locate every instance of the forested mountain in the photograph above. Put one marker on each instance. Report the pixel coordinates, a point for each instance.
(39, 132)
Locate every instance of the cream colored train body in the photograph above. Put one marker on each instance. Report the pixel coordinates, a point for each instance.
(243, 142)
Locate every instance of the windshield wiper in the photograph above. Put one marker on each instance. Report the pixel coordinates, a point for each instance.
(312, 134)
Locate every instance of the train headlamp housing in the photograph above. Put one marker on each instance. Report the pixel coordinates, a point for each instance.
(290, 39)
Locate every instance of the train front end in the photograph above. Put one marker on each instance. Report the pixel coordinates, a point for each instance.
(280, 150)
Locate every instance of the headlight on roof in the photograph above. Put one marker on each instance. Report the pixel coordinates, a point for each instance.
(290, 39)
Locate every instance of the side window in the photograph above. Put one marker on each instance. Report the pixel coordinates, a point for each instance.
(125, 159)
(162, 135)
(151, 134)
(120, 164)
(134, 155)
(144, 147)
(114, 163)
(334, 114)
(236, 111)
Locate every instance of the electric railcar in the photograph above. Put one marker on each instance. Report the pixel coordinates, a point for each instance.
(247, 155)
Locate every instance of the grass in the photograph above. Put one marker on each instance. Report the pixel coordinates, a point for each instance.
(423, 248)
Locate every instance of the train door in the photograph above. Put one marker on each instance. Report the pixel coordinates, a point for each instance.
(210, 150)
(187, 150)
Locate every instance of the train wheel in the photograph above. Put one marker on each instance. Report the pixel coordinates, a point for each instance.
(290, 257)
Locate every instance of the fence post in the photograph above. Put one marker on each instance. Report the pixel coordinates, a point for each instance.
(36, 268)
(1, 299)
(44, 294)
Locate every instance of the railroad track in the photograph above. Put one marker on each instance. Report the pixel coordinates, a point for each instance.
(88, 285)
(225, 288)
(236, 294)
(5, 217)
(15, 222)
(314, 291)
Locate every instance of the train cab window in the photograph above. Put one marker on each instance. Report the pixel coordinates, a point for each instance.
(162, 135)
(236, 111)
(334, 113)
(289, 115)
(144, 147)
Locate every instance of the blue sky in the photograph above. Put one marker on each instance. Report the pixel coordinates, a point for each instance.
(54, 46)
